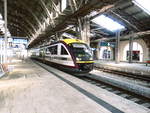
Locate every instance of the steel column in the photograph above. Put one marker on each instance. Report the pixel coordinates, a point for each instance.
(117, 55)
(84, 27)
(5, 45)
(130, 49)
(1, 49)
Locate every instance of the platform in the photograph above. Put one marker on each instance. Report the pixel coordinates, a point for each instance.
(28, 88)
(134, 68)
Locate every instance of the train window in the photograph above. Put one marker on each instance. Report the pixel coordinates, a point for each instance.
(47, 51)
(63, 51)
(53, 50)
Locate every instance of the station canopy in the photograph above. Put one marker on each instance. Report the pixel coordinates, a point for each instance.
(44, 20)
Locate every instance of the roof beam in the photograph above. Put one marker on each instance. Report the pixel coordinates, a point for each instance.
(136, 35)
(129, 18)
(124, 20)
(31, 12)
(22, 20)
(21, 25)
(17, 28)
(20, 11)
(47, 12)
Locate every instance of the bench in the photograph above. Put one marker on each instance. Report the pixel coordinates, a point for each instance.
(147, 62)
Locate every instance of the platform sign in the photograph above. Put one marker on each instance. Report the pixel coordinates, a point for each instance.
(20, 41)
(108, 44)
(10, 39)
(103, 43)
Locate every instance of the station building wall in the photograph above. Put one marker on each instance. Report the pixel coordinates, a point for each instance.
(105, 53)
(143, 50)
(123, 48)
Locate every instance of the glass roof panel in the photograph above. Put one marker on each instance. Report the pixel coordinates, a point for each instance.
(108, 23)
(143, 4)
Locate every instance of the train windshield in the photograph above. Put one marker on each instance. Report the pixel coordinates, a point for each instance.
(81, 51)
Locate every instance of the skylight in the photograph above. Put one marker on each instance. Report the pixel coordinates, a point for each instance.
(143, 4)
(108, 23)
(63, 5)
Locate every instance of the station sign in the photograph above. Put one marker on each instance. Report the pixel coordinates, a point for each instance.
(108, 44)
(20, 41)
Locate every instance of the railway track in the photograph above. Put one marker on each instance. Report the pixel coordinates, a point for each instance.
(142, 100)
(126, 74)
(118, 91)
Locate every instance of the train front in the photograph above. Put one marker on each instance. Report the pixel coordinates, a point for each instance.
(83, 57)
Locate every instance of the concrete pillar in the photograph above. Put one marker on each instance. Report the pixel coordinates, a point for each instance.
(117, 55)
(77, 31)
(130, 49)
(80, 27)
(57, 36)
(98, 51)
(84, 27)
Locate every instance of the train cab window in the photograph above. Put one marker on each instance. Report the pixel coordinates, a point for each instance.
(53, 50)
(81, 51)
(63, 51)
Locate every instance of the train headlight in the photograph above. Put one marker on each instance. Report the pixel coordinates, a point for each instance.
(78, 59)
(91, 58)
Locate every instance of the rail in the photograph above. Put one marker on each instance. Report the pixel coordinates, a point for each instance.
(136, 93)
(147, 62)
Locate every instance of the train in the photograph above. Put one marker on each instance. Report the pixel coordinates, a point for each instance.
(71, 55)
